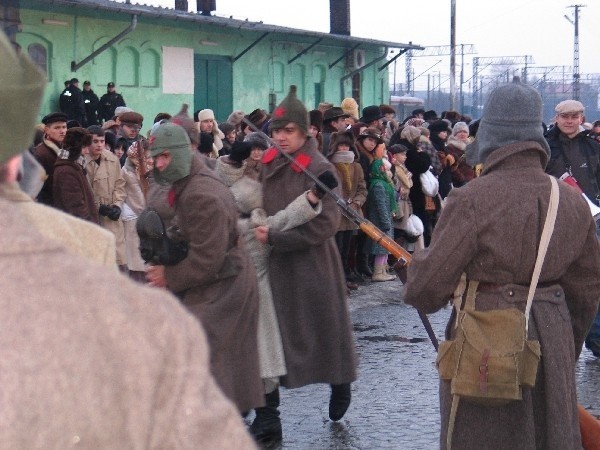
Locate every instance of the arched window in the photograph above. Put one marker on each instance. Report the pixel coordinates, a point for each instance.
(278, 74)
(39, 55)
(150, 68)
(127, 67)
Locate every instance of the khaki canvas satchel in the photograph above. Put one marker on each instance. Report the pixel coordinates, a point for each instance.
(490, 358)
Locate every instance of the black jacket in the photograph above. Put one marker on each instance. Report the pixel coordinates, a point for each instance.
(71, 103)
(108, 103)
(584, 165)
(90, 102)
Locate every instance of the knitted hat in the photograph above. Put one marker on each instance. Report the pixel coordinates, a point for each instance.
(512, 113)
(235, 118)
(290, 110)
(316, 119)
(21, 89)
(171, 137)
(206, 114)
(410, 133)
(256, 139)
(337, 138)
(459, 126)
(186, 122)
(350, 107)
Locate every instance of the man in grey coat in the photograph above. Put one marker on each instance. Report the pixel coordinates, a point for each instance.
(490, 230)
(307, 278)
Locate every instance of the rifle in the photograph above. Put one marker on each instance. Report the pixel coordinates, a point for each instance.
(403, 256)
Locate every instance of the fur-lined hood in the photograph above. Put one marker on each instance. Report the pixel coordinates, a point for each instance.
(456, 143)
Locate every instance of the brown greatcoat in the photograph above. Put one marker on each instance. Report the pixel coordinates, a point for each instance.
(217, 282)
(92, 360)
(490, 229)
(355, 194)
(307, 279)
(46, 153)
(72, 192)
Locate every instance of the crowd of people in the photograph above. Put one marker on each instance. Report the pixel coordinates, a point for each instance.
(269, 260)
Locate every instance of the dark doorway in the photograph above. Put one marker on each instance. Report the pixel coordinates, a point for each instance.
(213, 85)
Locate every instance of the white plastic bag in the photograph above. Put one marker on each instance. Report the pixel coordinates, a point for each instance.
(414, 226)
(429, 183)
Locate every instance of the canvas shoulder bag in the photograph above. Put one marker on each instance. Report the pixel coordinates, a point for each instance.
(490, 359)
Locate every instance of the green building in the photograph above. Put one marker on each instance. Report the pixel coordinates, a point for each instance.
(160, 58)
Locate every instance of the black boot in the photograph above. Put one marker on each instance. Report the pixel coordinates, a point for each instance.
(266, 427)
(362, 265)
(339, 401)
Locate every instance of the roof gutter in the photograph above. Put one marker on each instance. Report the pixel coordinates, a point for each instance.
(76, 66)
(360, 69)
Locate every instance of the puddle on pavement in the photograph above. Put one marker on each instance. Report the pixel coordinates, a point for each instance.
(392, 338)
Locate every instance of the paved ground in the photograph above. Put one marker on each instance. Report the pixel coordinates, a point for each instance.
(395, 401)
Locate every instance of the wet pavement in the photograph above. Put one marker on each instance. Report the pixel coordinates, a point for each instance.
(395, 399)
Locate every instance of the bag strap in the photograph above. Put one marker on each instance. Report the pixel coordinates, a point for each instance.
(544, 241)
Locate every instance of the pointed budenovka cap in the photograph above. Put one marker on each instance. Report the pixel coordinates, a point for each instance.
(21, 89)
(290, 110)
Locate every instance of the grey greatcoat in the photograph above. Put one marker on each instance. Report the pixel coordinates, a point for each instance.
(307, 279)
(217, 282)
(92, 360)
(490, 229)
(249, 199)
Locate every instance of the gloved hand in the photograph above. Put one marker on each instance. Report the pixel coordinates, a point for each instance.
(328, 179)
(113, 212)
(240, 151)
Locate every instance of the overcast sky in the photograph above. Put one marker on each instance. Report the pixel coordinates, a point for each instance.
(496, 28)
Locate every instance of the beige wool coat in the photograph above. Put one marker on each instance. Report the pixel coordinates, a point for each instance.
(307, 280)
(217, 282)
(93, 360)
(108, 186)
(490, 229)
(79, 236)
(136, 201)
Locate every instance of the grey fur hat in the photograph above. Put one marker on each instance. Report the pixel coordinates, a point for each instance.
(512, 113)
(256, 139)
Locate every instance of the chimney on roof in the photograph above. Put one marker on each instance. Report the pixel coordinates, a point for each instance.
(205, 7)
(339, 17)
(181, 5)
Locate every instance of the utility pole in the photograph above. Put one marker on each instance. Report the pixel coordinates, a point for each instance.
(576, 75)
(452, 55)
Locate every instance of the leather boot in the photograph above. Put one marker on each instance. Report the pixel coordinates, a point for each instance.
(380, 274)
(266, 427)
(362, 265)
(341, 394)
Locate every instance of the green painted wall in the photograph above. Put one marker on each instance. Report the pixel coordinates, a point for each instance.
(134, 64)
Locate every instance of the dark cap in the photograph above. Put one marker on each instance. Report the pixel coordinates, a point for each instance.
(54, 117)
(87, 83)
(111, 84)
(74, 81)
(373, 133)
(333, 113)
(131, 118)
(371, 113)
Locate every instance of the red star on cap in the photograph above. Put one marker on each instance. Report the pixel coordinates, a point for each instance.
(279, 112)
